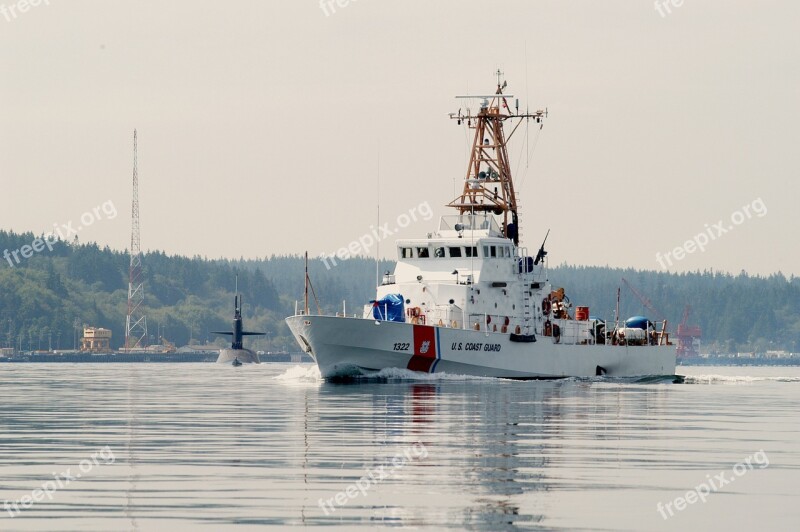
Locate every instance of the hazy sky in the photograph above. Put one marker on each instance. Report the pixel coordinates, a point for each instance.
(263, 125)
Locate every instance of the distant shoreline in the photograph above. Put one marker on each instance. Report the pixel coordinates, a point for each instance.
(133, 358)
(181, 358)
(727, 361)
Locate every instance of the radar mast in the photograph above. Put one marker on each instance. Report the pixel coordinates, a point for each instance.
(488, 186)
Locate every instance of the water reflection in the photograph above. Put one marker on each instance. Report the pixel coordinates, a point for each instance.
(488, 442)
(224, 447)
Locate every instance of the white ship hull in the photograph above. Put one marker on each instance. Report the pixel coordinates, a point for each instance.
(467, 298)
(351, 346)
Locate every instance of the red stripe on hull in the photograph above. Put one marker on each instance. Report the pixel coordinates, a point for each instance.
(424, 341)
(424, 349)
(421, 363)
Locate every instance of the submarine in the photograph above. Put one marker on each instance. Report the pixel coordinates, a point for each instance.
(237, 355)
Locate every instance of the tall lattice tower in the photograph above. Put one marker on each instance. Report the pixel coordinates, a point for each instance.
(136, 321)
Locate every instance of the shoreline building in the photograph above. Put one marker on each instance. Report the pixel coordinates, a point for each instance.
(96, 340)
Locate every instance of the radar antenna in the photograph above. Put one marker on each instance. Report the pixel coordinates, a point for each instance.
(488, 186)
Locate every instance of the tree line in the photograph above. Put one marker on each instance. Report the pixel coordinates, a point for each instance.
(47, 297)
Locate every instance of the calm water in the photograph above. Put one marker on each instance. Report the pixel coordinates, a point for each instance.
(202, 447)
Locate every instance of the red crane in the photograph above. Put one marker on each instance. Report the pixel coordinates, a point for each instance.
(657, 314)
(686, 335)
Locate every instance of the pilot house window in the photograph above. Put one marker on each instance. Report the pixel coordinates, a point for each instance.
(455, 252)
(423, 253)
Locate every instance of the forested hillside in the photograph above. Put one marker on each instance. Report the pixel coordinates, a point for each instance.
(45, 299)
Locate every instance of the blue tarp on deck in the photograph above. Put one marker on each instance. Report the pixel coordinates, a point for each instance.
(390, 308)
(638, 322)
